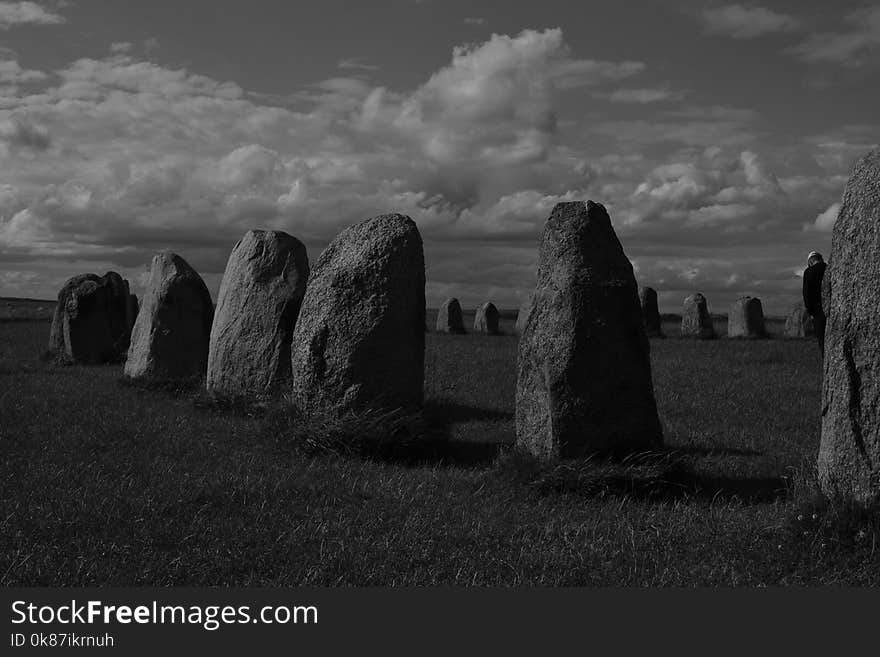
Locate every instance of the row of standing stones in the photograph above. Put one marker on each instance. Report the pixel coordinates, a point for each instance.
(350, 333)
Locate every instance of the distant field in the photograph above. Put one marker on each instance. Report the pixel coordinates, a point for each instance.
(106, 484)
(12, 309)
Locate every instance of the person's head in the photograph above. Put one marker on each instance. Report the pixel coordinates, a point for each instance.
(813, 258)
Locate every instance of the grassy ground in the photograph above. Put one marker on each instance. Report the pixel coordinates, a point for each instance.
(108, 484)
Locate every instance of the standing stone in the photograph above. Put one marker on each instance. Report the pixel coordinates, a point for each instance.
(650, 312)
(449, 317)
(849, 451)
(486, 319)
(584, 369)
(88, 324)
(745, 319)
(696, 322)
(259, 300)
(131, 311)
(359, 341)
(799, 324)
(170, 336)
(522, 317)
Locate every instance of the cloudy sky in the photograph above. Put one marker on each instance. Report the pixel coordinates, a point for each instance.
(718, 135)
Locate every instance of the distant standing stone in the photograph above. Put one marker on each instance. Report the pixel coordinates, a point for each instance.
(650, 312)
(486, 319)
(849, 450)
(449, 317)
(522, 316)
(257, 307)
(696, 322)
(745, 319)
(89, 322)
(799, 324)
(584, 370)
(170, 336)
(359, 341)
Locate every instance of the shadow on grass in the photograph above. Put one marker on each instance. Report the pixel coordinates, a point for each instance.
(654, 476)
(694, 450)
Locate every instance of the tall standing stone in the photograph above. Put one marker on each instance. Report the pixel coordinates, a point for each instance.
(522, 317)
(849, 451)
(359, 341)
(798, 323)
(88, 324)
(745, 319)
(449, 317)
(696, 322)
(650, 312)
(486, 319)
(257, 307)
(584, 369)
(173, 325)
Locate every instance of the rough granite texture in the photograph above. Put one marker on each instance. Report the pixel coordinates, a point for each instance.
(257, 307)
(486, 319)
(90, 323)
(696, 322)
(584, 369)
(650, 312)
(745, 319)
(798, 323)
(449, 317)
(359, 341)
(849, 450)
(170, 335)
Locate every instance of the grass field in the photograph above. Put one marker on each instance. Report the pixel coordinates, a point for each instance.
(109, 484)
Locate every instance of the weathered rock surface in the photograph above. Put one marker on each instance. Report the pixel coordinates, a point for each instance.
(170, 335)
(449, 317)
(257, 307)
(359, 341)
(486, 319)
(584, 370)
(650, 312)
(89, 324)
(696, 322)
(522, 317)
(798, 323)
(745, 319)
(849, 450)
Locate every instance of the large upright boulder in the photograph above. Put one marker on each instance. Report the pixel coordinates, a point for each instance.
(486, 319)
(257, 307)
(359, 341)
(522, 316)
(170, 335)
(849, 451)
(89, 324)
(449, 317)
(696, 322)
(650, 312)
(745, 319)
(798, 322)
(584, 369)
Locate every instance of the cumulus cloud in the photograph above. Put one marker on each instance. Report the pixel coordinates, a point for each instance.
(825, 221)
(746, 22)
(853, 45)
(26, 13)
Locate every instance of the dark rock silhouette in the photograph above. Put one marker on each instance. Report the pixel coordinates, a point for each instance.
(170, 335)
(449, 317)
(359, 341)
(650, 312)
(257, 307)
(849, 450)
(745, 319)
(584, 370)
(696, 322)
(486, 319)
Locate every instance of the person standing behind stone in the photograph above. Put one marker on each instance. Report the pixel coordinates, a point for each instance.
(813, 275)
